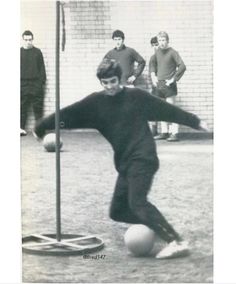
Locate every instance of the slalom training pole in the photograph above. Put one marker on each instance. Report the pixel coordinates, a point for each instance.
(57, 125)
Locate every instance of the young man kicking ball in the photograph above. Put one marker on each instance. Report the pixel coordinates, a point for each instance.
(121, 115)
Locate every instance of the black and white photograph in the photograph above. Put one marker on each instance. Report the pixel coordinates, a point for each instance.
(116, 127)
(116, 130)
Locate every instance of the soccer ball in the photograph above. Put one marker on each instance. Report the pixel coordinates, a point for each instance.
(139, 240)
(49, 142)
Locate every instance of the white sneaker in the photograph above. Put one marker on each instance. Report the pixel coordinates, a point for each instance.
(22, 132)
(174, 249)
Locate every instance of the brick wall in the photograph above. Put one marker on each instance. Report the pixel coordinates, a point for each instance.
(89, 25)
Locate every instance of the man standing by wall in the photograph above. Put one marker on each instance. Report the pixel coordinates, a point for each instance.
(33, 78)
(166, 68)
(126, 56)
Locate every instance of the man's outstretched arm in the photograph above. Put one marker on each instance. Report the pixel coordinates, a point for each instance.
(159, 110)
(78, 115)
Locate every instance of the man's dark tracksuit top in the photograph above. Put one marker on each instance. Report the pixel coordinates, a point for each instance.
(167, 63)
(123, 120)
(32, 65)
(127, 56)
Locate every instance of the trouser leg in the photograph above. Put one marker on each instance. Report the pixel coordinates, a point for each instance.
(147, 213)
(153, 127)
(24, 107)
(119, 209)
(130, 205)
(164, 127)
(168, 93)
(38, 102)
(154, 124)
(173, 127)
(156, 91)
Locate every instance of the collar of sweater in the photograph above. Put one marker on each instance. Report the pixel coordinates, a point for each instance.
(123, 47)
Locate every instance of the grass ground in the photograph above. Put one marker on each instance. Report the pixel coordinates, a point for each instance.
(182, 190)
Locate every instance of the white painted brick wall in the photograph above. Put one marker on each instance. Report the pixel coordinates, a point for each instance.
(89, 25)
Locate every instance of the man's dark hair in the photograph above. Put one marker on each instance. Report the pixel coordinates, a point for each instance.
(118, 33)
(109, 68)
(27, 33)
(154, 40)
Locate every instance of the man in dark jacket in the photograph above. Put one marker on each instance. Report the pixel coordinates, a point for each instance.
(33, 77)
(121, 115)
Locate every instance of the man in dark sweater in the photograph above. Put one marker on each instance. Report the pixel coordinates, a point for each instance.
(127, 57)
(33, 77)
(121, 115)
(166, 68)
